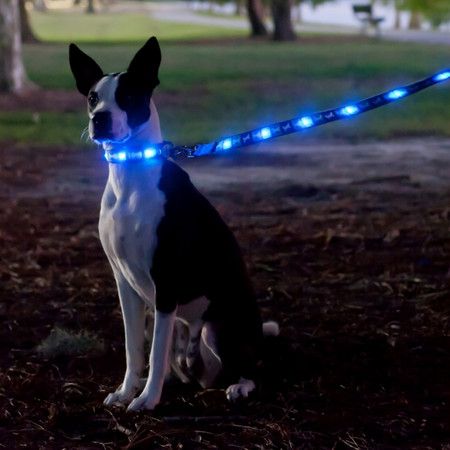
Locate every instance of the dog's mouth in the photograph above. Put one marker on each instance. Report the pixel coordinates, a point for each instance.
(111, 141)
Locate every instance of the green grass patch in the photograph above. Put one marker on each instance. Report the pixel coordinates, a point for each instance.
(209, 90)
(43, 128)
(64, 26)
(62, 342)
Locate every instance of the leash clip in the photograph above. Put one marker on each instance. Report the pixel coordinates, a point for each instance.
(184, 151)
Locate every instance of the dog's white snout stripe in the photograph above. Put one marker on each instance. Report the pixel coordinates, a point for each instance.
(106, 90)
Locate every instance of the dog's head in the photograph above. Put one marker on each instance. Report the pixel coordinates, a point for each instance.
(119, 103)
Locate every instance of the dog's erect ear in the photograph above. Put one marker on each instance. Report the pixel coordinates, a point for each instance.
(144, 66)
(85, 70)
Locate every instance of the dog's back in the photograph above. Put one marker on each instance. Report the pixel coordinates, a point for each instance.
(197, 255)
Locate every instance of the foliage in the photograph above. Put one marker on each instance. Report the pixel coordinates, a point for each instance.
(436, 11)
(62, 342)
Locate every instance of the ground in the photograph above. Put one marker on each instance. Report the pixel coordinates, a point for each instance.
(348, 247)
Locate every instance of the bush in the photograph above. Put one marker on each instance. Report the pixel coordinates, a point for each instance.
(62, 342)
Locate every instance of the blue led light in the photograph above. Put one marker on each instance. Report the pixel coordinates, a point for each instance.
(349, 110)
(442, 76)
(270, 131)
(149, 153)
(305, 122)
(265, 133)
(396, 94)
(226, 144)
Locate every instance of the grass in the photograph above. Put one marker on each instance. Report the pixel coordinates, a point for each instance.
(42, 128)
(62, 342)
(107, 27)
(213, 89)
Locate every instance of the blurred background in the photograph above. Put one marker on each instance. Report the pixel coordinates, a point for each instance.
(222, 66)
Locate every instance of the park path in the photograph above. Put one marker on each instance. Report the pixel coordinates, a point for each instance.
(408, 165)
(425, 37)
(375, 165)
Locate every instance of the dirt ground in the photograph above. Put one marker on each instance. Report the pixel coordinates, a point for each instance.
(349, 250)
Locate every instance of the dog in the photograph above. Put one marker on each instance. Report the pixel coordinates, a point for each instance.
(169, 249)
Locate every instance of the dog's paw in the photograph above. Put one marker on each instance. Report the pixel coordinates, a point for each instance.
(240, 390)
(118, 398)
(124, 394)
(142, 403)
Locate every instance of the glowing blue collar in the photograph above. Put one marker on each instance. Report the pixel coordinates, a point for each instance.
(225, 145)
(151, 151)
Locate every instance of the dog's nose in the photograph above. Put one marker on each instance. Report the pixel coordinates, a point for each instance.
(102, 124)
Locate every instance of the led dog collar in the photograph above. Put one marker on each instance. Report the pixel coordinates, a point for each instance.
(167, 149)
(122, 154)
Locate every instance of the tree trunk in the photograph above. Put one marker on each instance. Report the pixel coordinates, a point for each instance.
(397, 22)
(12, 72)
(40, 5)
(415, 21)
(239, 7)
(298, 15)
(255, 12)
(282, 22)
(90, 7)
(26, 31)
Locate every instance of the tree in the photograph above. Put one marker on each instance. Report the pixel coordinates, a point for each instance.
(436, 12)
(255, 12)
(40, 5)
(26, 31)
(90, 7)
(282, 22)
(281, 12)
(12, 72)
(313, 3)
(239, 4)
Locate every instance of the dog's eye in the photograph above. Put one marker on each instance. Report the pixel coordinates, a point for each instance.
(93, 99)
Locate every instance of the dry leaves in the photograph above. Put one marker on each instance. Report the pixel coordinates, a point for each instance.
(357, 278)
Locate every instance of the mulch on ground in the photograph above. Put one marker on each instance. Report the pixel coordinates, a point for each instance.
(356, 273)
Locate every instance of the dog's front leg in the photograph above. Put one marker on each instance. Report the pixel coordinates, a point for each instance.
(134, 323)
(159, 357)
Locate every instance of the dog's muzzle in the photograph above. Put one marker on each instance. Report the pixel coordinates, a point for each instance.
(102, 125)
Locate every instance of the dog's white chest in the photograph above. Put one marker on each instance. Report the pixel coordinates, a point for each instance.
(132, 208)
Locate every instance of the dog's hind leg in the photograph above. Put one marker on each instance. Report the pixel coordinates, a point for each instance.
(242, 350)
(179, 349)
(240, 390)
(134, 322)
(192, 351)
(212, 363)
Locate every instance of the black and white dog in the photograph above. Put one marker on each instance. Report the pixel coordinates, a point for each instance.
(169, 249)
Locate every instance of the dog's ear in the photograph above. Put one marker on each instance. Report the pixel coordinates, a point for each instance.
(144, 67)
(85, 70)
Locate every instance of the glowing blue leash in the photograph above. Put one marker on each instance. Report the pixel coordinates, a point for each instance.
(283, 128)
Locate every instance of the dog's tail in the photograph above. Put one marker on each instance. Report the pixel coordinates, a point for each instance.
(271, 328)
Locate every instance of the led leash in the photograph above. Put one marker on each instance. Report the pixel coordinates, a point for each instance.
(168, 150)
